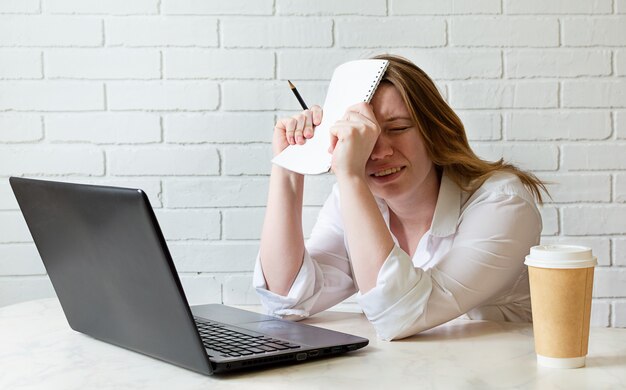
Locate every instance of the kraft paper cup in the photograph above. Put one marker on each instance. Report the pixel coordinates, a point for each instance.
(561, 282)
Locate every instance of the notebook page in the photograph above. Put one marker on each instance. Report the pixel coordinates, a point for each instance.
(351, 83)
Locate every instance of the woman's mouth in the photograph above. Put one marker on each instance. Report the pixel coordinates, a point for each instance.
(386, 172)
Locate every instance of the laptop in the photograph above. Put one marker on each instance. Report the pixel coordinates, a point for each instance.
(115, 279)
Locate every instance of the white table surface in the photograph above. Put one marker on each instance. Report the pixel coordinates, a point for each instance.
(38, 350)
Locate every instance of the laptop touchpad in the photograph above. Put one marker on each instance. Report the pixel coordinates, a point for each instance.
(300, 333)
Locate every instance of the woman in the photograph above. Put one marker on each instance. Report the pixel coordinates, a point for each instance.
(420, 227)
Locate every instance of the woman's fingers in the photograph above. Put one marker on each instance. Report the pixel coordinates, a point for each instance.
(364, 109)
(298, 132)
(361, 112)
(300, 127)
(353, 127)
(317, 115)
(290, 129)
(312, 118)
(336, 131)
(308, 124)
(333, 144)
(333, 133)
(304, 128)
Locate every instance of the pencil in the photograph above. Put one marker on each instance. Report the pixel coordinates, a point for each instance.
(295, 92)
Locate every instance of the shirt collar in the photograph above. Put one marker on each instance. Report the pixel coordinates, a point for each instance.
(448, 208)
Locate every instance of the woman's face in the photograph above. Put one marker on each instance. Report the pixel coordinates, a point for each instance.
(399, 165)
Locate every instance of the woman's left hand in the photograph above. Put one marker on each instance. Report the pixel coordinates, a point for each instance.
(353, 139)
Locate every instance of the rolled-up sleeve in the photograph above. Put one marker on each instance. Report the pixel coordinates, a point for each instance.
(302, 294)
(399, 297)
(493, 236)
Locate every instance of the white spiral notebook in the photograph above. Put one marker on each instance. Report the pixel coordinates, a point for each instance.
(352, 82)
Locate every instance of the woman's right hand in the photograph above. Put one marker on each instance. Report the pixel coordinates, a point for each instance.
(296, 129)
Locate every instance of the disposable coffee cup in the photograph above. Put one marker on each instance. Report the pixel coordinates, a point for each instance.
(561, 283)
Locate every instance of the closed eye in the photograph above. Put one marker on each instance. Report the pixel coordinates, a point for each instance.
(398, 129)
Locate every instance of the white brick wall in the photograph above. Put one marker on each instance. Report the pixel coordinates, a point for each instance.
(391, 32)
(50, 31)
(510, 31)
(20, 64)
(103, 128)
(161, 31)
(103, 64)
(179, 97)
(112, 7)
(51, 96)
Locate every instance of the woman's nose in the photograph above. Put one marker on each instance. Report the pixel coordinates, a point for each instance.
(382, 148)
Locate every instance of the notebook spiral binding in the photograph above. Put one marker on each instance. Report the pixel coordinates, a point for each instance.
(379, 77)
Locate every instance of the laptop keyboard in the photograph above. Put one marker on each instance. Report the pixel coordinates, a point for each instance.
(230, 343)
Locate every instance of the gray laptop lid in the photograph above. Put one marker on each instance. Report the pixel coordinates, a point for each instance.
(111, 269)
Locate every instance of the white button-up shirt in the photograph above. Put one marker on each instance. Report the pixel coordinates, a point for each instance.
(471, 262)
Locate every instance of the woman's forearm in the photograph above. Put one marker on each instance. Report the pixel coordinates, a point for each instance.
(282, 239)
(369, 239)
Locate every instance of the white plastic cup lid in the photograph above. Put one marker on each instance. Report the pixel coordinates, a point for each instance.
(561, 256)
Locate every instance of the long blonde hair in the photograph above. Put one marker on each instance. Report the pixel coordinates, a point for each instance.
(443, 132)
